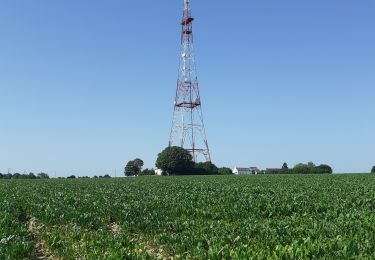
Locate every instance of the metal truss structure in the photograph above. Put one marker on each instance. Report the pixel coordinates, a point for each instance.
(187, 125)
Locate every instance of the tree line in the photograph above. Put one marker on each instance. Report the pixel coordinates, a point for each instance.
(178, 161)
(86, 177)
(42, 175)
(28, 176)
(175, 161)
(301, 168)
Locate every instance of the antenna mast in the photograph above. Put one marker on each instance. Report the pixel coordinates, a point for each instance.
(187, 126)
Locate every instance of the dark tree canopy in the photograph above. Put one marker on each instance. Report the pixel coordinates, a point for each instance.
(285, 167)
(134, 168)
(323, 168)
(310, 168)
(43, 175)
(16, 176)
(20, 176)
(7, 176)
(225, 171)
(373, 170)
(302, 168)
(138, 162)
(206, 168)
(147, 172)
(32, 176)
(311, 164)
(175, 161)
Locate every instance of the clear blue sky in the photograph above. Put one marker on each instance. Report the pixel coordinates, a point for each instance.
(86, 86)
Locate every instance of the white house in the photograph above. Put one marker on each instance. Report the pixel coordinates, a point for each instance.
(158, 172)
(255, 170)
(239, 170)
(245, 171)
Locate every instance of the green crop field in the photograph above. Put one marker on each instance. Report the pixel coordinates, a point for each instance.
(302, 216)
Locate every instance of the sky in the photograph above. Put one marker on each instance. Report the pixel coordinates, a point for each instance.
(86, 86)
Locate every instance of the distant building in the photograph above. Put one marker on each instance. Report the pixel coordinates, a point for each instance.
(245, 171)
(158, 172)
(255, 170)
(239, 170)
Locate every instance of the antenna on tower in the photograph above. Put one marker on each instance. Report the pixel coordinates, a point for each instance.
(187, 126)
(186, 4)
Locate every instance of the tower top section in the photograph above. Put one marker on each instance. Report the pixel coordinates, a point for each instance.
(187, 19)
(186, 4)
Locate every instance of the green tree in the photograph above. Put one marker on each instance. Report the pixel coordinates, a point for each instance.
(323, 168)
(16, 176)
(206, 168)
(175, 161)
(139, 163)
(31, 176)
(302, 168)
(133, 168)
(7, 176)
(311, 164)
(43, 175)
(310, 168)
(285, 167)
(147, 172)
(373, 170)
(225, 171)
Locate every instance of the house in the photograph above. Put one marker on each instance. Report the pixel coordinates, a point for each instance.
(245, 171)
(158, 172)
(255, 170)
(238, 170)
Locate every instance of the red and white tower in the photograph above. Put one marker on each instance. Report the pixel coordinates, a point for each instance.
(187, 126)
